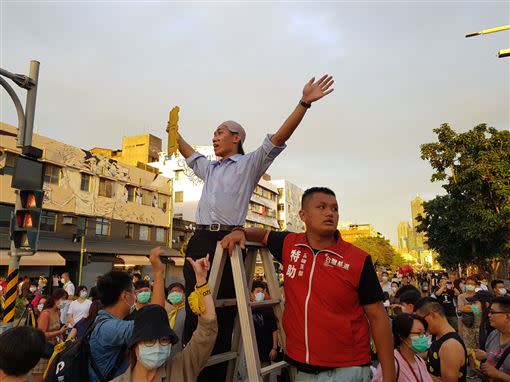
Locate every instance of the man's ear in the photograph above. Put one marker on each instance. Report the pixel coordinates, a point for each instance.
(302, 215)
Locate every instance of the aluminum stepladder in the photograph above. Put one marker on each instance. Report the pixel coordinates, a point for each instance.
(243, 337)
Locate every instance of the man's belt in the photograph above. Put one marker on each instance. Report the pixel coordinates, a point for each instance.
(215, 227)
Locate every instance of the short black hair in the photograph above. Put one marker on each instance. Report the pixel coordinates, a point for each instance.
(111, 285)
(315, 190)
(401, 326)
(138, 275)
(410, 297)
(496, 282)
(428, 305)
(142, 284)
(55, 296)
(503, 302)
(258, 284)
(93, 293)
(20, 350)
(173, 285)
(406, 288)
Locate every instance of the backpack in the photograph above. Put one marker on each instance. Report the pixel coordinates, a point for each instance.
(70, 360)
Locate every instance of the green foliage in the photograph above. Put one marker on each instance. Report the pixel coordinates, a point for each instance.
(471, 223)
(379, 248)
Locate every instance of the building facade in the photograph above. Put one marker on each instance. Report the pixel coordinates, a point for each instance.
(123, 210)
(289, 205)
(356, 231)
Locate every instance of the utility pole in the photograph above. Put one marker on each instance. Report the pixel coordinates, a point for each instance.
(503, 52)
(27, 180)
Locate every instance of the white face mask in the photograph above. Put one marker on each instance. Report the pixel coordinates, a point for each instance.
(153, 357)
(84, 294)
(259, 297)
(385, 278)
(502, 291)
(386, 303)
(40, 307)
(33, 289)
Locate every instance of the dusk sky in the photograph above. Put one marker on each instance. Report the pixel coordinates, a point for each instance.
(110, 69)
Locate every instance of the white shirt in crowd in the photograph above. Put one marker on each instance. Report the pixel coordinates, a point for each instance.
(69, 288)
(79, 310)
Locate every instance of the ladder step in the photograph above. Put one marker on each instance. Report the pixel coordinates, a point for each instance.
(222, 357)
(273, 367)
(225, 302)
(264, 303)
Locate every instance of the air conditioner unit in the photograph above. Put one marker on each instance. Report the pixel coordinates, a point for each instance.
(68, 220)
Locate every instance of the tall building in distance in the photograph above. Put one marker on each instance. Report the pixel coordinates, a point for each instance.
(289, 205)
(412, 242)
(356, 231)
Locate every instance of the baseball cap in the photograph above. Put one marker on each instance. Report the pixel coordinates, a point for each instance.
(234, 127)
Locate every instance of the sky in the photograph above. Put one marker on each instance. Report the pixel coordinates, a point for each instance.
(401, 69)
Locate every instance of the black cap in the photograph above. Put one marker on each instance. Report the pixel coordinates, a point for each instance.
(175, 284)
(151, 322)
(481, 295)
(142, 284)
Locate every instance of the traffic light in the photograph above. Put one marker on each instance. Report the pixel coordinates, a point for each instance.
(27, 219)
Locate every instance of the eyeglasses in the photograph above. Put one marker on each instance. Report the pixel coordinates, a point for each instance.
(417, 333)
(162, 341)
(496, 312)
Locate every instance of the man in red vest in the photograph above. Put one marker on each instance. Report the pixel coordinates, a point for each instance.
(333, 299)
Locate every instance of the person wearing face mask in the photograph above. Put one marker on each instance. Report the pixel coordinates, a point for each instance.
(40, 305)
(498, 288)
(142, 297)
(111, 334)
(471, 315)
(385, 283)
(409, 340)
(446, 297)
(150, 345)
(79, 308)
(266, 329)
(176, 313)
(49, 323)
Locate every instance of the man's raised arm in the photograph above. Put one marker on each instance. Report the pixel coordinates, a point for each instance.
(241, 236)
(313, 91)
(184, 148)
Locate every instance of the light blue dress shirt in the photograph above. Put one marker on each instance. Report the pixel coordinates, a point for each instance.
(229, 183)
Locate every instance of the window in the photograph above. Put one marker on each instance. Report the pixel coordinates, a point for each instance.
(52, 174)
(144, 233)
(146, 198)
(105, 188)
(162, 202)
(48, 220)
(5, 215)
(179, 174)
(130, 231)
(102, 227)
(131, 193)
(160, 234)
(85, 182)
(281, 207)
(179, 196)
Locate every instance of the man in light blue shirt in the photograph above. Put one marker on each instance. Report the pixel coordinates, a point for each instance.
(228, 186)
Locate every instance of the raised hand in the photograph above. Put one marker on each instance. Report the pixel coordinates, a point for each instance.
(201, 267)
(154, 258)
(315, 90)
(235, 237)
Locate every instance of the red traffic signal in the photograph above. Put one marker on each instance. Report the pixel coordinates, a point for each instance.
(31, 198)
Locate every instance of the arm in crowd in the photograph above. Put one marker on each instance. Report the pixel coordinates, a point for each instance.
(44, 322)
(257, 235)
(381, 333)
(313, 91)
(452, 360)
(158, 270)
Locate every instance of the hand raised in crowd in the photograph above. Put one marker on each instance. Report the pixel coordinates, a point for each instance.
(315, 90)
(232, 239)
(201, 267)
(272, 354)
(155, 259)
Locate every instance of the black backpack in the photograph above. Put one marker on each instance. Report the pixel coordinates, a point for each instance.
(70, 360)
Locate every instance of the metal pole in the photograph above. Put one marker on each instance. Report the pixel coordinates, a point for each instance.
(30, 105)
(17, 104)
(82, 252)
(12, 287)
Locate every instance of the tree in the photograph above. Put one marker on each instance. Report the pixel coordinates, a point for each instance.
(378, 247)
(471, 223)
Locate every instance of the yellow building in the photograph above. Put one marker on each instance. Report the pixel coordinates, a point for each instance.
(137, 150)
(355, 231)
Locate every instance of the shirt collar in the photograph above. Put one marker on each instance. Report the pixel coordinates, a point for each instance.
(233, 158)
